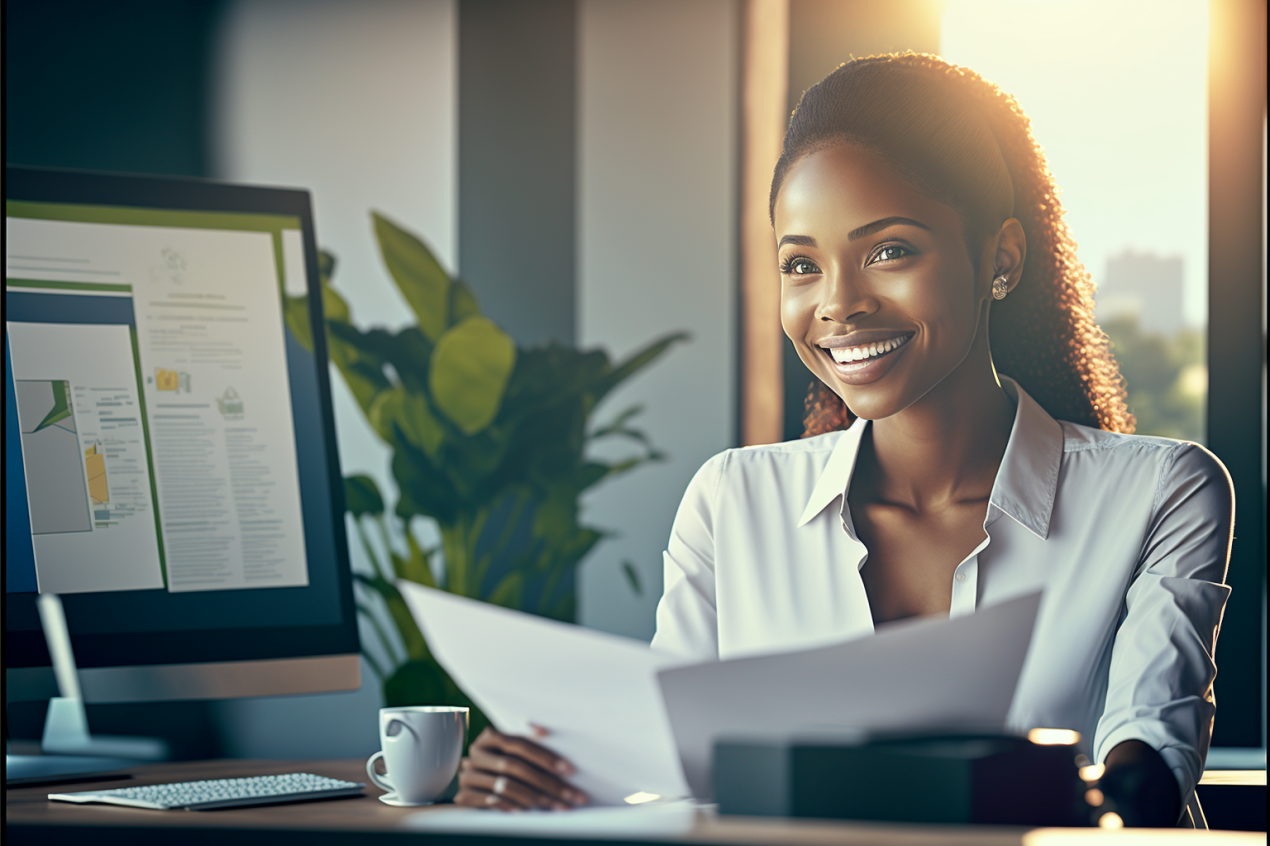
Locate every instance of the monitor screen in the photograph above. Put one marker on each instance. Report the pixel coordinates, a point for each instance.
(170, 460)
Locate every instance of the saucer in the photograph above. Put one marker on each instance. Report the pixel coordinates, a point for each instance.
(391, 799)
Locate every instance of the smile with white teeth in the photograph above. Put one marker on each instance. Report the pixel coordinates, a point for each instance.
(844, 355)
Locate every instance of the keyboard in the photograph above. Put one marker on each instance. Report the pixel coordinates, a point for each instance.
(220, 793)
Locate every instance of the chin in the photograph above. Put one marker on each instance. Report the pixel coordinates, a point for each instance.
(868, 402)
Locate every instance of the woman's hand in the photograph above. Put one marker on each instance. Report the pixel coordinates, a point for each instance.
(514, 774)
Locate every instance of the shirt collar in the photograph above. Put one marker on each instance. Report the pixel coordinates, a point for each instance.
(836, 477)
(1026, 482)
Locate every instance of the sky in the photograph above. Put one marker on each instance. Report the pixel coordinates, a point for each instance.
(1116, 90)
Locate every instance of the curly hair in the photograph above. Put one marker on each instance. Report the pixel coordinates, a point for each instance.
(963, 141)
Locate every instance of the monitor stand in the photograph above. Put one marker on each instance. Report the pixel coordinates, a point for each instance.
(69, 750)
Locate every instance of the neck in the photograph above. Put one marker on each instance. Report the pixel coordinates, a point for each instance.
(945, 448)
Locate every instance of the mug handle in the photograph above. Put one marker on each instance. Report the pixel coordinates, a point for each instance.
(381, 781)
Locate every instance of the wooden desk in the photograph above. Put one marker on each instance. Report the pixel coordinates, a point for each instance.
(31, 818)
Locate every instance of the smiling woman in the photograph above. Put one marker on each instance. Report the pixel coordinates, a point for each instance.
(911, 207)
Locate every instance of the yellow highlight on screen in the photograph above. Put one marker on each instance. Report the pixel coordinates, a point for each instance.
(166, 380)
(1053, 737)
(95, 465)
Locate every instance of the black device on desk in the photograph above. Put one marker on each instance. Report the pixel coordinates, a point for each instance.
(965, 778)
(171, 464)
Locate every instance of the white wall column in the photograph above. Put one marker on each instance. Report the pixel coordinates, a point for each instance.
(657, 251)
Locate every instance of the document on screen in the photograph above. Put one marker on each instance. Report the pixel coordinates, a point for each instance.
(634, 721)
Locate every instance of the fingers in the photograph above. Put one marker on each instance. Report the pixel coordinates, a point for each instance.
(481, 799)
(524, 748)
(551, 788)
(514, 773)
(508, 790)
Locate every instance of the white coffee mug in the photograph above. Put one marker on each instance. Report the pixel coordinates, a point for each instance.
(421, 746)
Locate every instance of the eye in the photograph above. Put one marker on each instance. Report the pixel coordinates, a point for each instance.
(798, 266)
(890, 252)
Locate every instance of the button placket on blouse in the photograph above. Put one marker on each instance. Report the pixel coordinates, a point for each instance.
(848, 528)
(965, 585)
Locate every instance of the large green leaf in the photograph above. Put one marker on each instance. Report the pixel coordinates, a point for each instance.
(359, 356)
(361, 496)
(399, 412)
(424, 491)
(469, 370)
(475, 466)
(295, 314)
(637, 362)
(409, 354)
(509, 591)
(417, 683)
(418, 566)
(462, 303)
(422, 280)
(333, 305)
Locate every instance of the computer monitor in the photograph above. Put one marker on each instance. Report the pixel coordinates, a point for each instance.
(170, 457)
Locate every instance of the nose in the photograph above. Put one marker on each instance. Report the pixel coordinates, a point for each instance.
(844, 297)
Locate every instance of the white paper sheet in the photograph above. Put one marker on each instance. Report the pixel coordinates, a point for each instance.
(929, 672)
(595, 693)
(629, 717)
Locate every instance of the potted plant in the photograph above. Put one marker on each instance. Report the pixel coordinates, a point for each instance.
(489, 441)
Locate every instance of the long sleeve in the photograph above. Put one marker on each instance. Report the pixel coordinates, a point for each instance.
(687, 622)
(1160, 686)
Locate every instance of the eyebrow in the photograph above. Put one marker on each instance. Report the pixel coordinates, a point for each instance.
(879, 225)
(854, 234)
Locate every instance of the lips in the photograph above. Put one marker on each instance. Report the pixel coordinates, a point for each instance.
(843, 355)
(861, 357)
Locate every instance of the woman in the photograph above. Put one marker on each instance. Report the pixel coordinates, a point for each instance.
(911, 208)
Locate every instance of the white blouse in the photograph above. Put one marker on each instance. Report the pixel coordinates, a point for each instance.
(1129, 537)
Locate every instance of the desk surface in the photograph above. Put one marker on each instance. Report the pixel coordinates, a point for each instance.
(30, 817)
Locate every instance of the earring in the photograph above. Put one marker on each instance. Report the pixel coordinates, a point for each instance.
(999, 289)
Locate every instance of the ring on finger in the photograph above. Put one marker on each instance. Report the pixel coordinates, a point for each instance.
(500, 784)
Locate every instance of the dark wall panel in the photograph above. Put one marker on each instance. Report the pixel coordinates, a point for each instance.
(517, 163)
(116, 86)
(1237, 349)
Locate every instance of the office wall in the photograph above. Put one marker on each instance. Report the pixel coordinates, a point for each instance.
(357, 103)
(657, 167)
(655, 173)
(360, 105)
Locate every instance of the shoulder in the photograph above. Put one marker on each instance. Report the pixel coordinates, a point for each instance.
(1078, 438)
(1175, 464)
(784, 457)
(784, 467)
